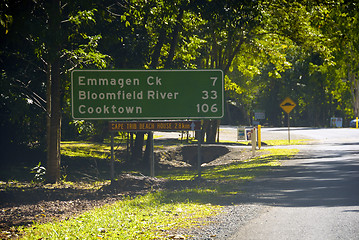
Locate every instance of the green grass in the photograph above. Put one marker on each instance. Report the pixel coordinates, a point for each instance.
(85, 149)
(286, 142)
(157, 215)
(268, 142)
(221, 184)
(102, 150)
(145, 217)
(237, 171)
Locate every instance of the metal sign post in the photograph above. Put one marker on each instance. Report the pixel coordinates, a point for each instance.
(253, 140)
(199, 154)
(288, 128)
(287, 105)
(112, 168)
(152, 157)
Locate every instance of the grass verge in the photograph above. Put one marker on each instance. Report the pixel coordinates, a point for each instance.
(145, 217)
(157, 215)
(286, 142)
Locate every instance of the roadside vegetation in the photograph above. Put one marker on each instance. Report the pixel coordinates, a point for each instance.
(151, 216)
(157, 214)
(267, 51)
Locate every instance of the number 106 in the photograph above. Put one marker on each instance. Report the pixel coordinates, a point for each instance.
(205, 108)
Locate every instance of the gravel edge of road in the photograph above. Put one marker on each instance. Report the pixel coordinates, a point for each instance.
(224, 225)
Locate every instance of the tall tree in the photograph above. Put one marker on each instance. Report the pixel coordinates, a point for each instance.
(36, 37)
(338, 21)
(53, 94)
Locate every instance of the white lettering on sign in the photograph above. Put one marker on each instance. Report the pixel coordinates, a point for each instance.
(125, 94)
(206, 95)
(153, 81)
(83, 109)
(161, 95)
(83, 81)
(214, 79)
(86, 95)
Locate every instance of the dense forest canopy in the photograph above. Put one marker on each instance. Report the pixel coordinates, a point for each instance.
(268, 50)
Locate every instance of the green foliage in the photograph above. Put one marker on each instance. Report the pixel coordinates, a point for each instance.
(83, 17)
(268, 50)
(84, 128)
(5, 22)
(39, 172)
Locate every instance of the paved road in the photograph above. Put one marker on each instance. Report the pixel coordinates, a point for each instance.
(313, 196)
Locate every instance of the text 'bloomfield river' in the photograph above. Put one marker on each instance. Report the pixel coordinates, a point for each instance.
(147, 94)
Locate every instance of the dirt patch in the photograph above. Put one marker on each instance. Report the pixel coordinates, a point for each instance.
(187, 156)
(22, 204)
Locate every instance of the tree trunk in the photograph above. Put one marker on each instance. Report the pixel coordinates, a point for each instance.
(146, 155)
(354, 80)
(174, 40)
(54, 124)
(210, 130)
(54, 154)
(136, 157)
(48, 110)
(157, 50)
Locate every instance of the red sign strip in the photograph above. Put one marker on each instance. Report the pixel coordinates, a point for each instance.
(155, 126)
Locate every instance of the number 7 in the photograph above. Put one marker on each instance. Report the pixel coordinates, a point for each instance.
(214, 80)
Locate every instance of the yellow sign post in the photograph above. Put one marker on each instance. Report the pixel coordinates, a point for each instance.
(259, 136)
(287, 105)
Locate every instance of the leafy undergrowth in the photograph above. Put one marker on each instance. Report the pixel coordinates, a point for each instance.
(157, 215)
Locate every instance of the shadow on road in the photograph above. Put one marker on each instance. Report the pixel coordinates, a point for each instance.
(324, 178)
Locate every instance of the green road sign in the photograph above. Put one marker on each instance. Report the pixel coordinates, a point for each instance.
(147, 94)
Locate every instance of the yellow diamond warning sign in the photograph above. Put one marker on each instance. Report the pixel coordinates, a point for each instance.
(287, 105)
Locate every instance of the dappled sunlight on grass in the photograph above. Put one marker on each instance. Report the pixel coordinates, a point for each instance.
(145, 217)
(177, 174)
(220, 184)
(286, 142)
(85, 149)
(156, 214)
(239, 171)
(233, 172)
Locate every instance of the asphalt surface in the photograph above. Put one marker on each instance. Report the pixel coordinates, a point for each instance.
(313, 196)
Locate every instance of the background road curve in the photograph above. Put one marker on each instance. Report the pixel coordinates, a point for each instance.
(312, 196)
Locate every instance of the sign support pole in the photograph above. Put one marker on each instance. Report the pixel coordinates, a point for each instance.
(253, 139)
(288, 129)
(152, 161)
(199, 155)
(112, 158)
(287, 105)
(259, 136)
